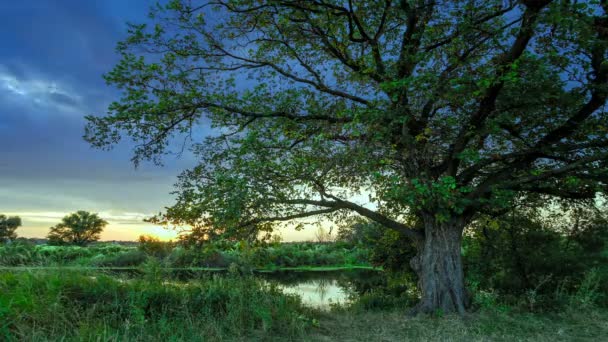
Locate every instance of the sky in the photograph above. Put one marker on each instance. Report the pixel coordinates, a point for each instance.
(53, 56)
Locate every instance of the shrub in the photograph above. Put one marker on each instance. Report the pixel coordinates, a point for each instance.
(539, 260)
(63, 254)
(124, 259)
(17, 254)
(154, 247)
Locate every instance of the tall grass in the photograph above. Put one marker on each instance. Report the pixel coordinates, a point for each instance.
(214, 255)
(23, 254)
(76, 306)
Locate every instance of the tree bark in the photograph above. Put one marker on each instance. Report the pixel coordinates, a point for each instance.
(438, 265)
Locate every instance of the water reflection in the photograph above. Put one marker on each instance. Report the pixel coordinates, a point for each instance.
(317, 289)
(322, 289)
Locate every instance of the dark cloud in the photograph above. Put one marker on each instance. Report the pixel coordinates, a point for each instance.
(63, 99)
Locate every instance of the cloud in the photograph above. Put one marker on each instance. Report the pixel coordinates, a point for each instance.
(39, 92)
(56, 216)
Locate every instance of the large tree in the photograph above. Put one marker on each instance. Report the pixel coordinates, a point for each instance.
(79, 228)
(8, 225)
(437, 110)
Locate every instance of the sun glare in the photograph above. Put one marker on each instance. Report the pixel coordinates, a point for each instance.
(160, 233)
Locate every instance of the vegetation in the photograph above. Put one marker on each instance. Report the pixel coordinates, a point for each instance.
(443, 111)
(484, 325)
(218, 255)
(533, 277)
(79, 228)
(8, 225)
(531, 253)
(27, 254)
(461, 147)
(73, 306)
(68, 305)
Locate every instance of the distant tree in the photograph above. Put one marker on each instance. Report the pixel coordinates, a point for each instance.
(79, 228)
(8, 225)
(440, 109)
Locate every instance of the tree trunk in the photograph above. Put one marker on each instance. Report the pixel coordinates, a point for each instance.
(438, 265)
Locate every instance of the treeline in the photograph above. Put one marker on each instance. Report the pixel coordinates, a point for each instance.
(79, 228)
(216, 255)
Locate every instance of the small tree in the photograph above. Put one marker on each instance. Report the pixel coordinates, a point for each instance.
(79, 228)
(8, 225)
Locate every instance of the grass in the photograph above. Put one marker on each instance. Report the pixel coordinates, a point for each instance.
(62, 293)
(485, 325)
(40, 305)
(70, 306)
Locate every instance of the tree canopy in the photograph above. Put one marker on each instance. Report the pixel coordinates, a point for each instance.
(8, 225)
(79, 228)
(436, 110)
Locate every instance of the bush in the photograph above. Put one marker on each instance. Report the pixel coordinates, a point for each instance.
(194, 257)
(62, 254)
(152, 246)
(17, 254)
(534, 261)
(124, 259)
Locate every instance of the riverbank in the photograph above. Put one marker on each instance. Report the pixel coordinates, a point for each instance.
(72, 306)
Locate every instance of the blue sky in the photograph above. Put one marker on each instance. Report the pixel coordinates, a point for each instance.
(53, 55)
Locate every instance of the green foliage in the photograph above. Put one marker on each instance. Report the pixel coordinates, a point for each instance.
(129, 258)
(244, 255)
(441, 113)
(79, 228)
(16, 254)
(220, 254)
(8, 225)
(74, 306)
(397, 290)
(387, 248)
(154, 247)
(528, 257)
(445, 123)
(26, 254)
